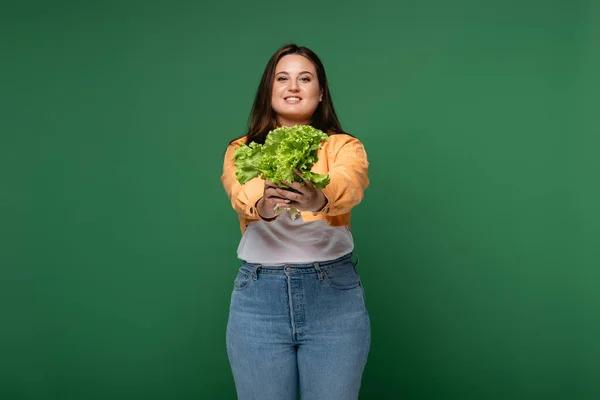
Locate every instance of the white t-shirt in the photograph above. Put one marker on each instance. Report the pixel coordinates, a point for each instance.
(288, 241)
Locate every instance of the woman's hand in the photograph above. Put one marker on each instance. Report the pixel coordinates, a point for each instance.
(271, 198)
(308, 198)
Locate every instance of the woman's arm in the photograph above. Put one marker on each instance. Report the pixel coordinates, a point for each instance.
(349, 177)
(243, 197)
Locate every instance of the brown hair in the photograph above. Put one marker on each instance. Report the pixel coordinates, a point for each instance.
(263, 118)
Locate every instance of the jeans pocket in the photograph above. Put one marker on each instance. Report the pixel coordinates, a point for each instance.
(242, 280)
(343, 277)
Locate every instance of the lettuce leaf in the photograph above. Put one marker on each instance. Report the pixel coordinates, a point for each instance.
(285, 150)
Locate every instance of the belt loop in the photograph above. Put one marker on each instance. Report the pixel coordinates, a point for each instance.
(356, 263)
(320, 272)
(255, 269)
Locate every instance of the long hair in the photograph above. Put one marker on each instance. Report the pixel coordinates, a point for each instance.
(263, 118)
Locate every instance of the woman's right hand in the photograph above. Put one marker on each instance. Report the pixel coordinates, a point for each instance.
(266, 205)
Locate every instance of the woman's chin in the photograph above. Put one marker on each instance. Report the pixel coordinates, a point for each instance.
(291, 121)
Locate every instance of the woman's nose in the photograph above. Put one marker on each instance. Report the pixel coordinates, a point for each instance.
(293, 85)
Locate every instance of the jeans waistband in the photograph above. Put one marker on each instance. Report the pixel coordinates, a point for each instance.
(305, 267)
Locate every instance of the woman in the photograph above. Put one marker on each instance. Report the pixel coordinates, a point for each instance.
(298, 319)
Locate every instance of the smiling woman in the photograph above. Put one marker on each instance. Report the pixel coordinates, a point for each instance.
(296, 92)
(298, 317)
(278, 72)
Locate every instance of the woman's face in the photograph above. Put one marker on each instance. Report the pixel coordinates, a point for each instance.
(296, 92)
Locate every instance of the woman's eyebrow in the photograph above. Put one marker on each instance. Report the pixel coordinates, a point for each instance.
(303, 72)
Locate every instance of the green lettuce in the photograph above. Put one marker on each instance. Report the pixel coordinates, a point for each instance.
(285, 150)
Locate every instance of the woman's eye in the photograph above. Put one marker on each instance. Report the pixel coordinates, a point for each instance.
(305, 79)
(281, 78)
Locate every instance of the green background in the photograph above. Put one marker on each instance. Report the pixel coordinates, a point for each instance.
(478, 237)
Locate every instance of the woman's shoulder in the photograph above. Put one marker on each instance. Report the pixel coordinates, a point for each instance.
(345, 144)
(337, 140)
(238, 141)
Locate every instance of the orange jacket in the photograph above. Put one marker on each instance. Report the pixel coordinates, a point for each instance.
(343, 157)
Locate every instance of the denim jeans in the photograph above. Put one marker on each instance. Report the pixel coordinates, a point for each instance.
(298, 327)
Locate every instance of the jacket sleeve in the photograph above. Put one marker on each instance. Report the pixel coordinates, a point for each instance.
(348, 174)
(243, 197)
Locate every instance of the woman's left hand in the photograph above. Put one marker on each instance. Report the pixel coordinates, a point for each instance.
(309, 197)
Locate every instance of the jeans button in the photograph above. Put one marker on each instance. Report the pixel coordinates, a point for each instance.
(288, 269)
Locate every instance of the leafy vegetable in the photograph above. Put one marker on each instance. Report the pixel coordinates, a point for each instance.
(285, 150)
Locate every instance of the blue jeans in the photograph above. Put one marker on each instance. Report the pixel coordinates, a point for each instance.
(298, 327)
